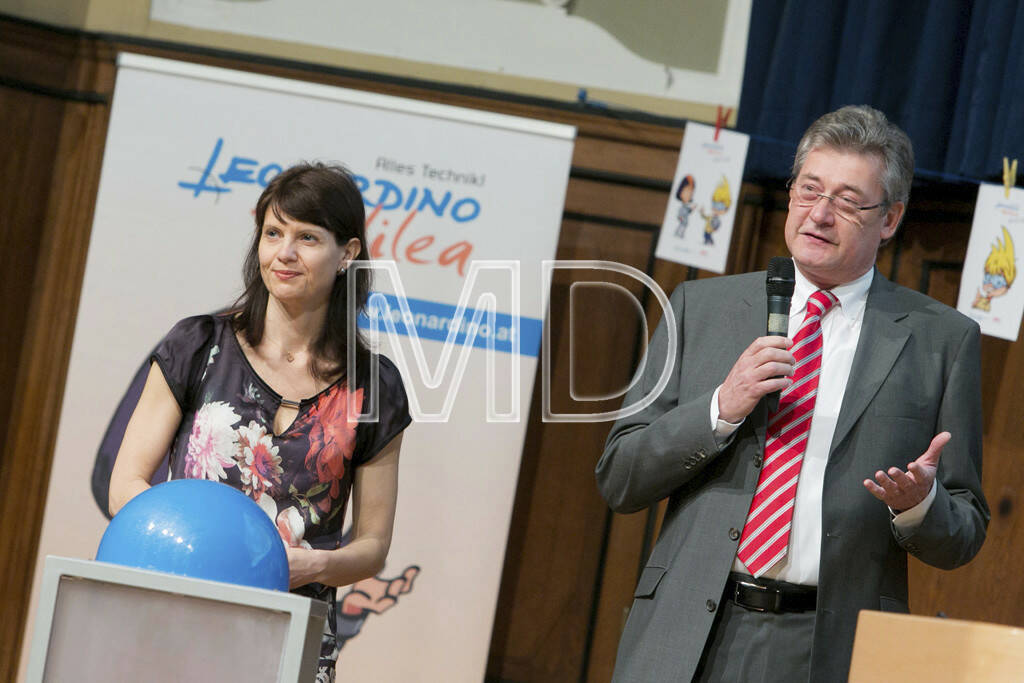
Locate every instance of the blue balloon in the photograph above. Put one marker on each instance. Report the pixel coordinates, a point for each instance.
(198, 528)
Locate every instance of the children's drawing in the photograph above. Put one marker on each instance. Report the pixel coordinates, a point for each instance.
(721, 200)
(708, 172)
(685, 195)
(1000, 272)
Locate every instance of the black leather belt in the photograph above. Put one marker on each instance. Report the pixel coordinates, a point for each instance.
(770, 596)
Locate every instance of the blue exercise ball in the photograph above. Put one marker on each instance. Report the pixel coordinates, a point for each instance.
(197, 528)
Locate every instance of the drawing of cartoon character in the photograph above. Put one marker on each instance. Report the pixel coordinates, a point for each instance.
(1000, 272)
(374, 595)
(721, 200)
(685, 195)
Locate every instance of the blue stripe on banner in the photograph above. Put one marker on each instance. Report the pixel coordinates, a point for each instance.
(432, 320)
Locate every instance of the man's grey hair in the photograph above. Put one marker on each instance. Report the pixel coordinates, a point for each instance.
(864, 130)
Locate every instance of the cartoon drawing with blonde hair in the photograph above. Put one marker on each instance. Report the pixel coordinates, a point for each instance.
(721, 200)
(1000, 272)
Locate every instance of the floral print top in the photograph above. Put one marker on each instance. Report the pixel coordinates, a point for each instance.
(301, 477)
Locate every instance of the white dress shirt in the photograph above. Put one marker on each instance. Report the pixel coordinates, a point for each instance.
(840, 330)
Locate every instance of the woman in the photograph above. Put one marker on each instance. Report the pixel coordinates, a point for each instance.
(259, 398)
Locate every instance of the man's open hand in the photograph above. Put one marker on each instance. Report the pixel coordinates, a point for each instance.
(903, 490)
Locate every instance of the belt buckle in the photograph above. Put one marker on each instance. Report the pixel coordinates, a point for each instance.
(764, 589)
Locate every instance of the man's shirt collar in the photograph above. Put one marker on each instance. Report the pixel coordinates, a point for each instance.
(853, 296)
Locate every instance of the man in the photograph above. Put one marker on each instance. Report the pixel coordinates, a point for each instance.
(878, 376)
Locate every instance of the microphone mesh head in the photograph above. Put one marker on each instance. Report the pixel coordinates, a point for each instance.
(781, 277)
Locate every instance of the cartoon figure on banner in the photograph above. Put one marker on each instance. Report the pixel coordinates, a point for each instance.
(721, 200)
(374, 595)
(685, 195)
(1000, 272)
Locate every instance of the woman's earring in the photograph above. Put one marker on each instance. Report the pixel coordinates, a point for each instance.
(342, 271)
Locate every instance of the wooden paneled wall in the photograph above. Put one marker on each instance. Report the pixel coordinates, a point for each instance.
(571, 565)
(53, 119)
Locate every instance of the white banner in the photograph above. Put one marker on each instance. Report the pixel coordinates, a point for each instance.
(189, 150)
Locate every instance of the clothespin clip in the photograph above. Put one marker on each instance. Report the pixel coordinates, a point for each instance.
(721, 120)
(583, 97)
(1009, 176)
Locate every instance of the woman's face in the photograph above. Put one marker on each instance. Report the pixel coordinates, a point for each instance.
(299, 261)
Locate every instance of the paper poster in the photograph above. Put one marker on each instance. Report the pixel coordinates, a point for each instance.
(698, 220)
(629, 47)
(988, 289)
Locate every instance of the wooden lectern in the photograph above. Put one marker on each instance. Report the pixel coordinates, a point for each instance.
(903, 648)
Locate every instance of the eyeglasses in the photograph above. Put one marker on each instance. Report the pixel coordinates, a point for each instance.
(995, 280)
(807, 195)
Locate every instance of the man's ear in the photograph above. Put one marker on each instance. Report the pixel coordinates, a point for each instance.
(892, 218)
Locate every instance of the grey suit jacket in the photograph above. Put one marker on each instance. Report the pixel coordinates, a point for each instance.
(916, 372)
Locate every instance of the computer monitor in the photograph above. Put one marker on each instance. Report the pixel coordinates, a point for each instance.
(104, 622)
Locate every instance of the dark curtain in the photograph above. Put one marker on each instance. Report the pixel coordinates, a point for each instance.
(949, 72)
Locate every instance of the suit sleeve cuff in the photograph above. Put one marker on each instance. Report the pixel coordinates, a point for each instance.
(723, 430)
(908, 520)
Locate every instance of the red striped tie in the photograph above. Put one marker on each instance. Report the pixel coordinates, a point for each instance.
(766, 532)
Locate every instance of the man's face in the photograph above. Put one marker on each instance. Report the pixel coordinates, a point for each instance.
(832, 247)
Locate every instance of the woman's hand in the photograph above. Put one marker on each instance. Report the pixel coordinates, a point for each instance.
(374, 497)
(305, 565)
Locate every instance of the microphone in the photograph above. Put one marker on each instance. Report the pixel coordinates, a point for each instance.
(779, 286)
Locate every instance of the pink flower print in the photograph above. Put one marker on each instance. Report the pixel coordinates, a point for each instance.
(212, 443)
(332, 438)
(292, 528)
(258, 462)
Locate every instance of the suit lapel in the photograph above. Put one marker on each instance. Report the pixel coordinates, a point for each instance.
(881, 340)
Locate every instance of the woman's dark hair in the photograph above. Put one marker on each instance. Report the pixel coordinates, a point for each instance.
(326, 196)
(687, 181)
